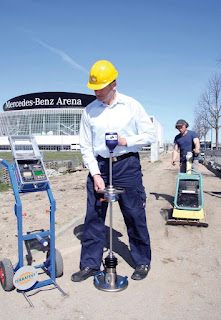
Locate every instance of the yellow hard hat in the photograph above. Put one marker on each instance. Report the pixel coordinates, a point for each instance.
(101, 75)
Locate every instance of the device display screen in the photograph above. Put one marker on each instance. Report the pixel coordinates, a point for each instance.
(26, 174)
(38, 173)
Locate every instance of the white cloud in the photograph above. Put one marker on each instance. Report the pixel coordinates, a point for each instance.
(63, 55)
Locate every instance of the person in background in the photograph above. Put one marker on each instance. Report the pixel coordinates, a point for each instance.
(114, 112)
(186, 141)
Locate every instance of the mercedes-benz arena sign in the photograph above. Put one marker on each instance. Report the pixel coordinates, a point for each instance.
(48, 100)
(52, 117)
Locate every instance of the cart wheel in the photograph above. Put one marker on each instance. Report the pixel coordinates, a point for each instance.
(58, 263)
(6, 275)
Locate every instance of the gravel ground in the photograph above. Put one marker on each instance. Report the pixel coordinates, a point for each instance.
(185, 278)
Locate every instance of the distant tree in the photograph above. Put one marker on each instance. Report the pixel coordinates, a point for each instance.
(209, 105)
(200, 125)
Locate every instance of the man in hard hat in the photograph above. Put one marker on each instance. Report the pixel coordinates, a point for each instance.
(114, 112)
(186, 141)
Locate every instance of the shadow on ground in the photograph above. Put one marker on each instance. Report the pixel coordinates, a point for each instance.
(166, 213)
(215, 171)
(167, 197)
(118, 246)
(213, 194)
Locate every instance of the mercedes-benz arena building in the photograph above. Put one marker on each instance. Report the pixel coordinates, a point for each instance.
(52, 117)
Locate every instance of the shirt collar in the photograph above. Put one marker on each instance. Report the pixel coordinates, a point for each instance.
(118, 100)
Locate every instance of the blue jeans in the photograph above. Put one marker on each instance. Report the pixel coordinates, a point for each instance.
(126, 174)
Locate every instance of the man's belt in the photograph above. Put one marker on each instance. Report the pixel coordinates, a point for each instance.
(119, 158)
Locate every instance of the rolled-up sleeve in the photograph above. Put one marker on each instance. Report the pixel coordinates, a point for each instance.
(146, 133)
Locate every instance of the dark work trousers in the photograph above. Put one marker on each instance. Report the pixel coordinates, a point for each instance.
(126, 174)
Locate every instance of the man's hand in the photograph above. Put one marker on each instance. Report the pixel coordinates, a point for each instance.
(173, 162)
(98, 182)
(196, 151)
(122, 141)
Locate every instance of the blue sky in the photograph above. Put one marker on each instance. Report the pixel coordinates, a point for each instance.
(164, 50)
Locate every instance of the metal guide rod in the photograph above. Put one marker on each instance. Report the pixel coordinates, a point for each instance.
(111, 186)
(109, 280)
(110, 170)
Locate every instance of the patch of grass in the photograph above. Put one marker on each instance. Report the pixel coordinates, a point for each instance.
(6, 156)
(4, 187)
(49, 155)
(62, 155)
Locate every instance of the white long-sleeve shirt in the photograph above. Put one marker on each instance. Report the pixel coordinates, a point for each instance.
(126, 117)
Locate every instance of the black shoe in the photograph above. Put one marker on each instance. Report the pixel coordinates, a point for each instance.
(140, 272)
(83, 274)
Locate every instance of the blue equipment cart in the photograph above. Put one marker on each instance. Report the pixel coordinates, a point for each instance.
(28, 174)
